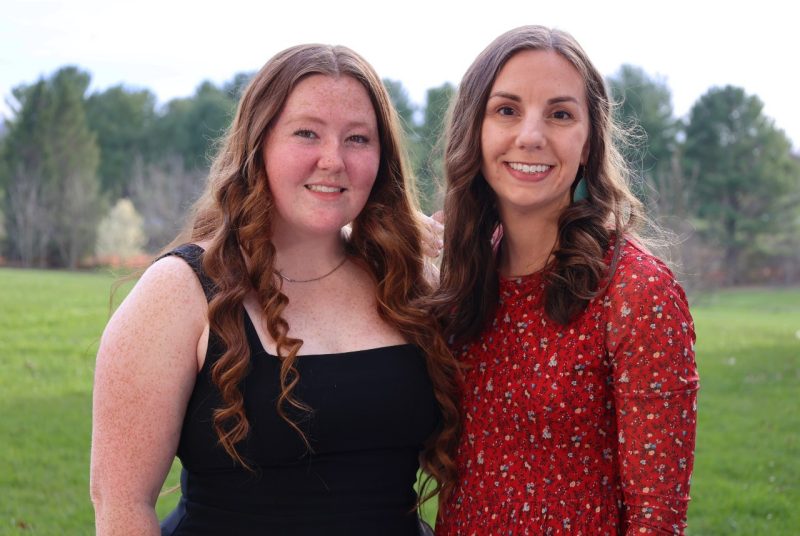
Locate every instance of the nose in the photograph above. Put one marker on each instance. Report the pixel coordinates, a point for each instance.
(531, 134)
(330, 158)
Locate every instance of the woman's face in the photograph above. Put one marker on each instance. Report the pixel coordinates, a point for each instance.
(322, 156)
(535, 134)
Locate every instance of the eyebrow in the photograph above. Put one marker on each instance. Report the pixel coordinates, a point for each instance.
(516, 98)
(308, 118)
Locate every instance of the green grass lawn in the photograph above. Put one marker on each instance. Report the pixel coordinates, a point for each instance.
(747, 474)
(746, 471)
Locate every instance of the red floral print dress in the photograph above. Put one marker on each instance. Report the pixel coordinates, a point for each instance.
(584, 429)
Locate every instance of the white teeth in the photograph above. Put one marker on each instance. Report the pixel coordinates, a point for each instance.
(324, 189)
(528, 168)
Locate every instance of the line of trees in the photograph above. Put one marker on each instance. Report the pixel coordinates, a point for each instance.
(111, 172)
(724, 179)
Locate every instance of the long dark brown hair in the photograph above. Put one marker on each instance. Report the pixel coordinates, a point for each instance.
(234, 215)
(469, 284)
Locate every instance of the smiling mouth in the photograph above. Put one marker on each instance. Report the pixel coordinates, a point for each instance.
(528, 168)
(324, 189)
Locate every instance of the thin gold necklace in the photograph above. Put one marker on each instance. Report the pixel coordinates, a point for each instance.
(290, 280)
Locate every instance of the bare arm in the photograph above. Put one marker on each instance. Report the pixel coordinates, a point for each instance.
(145, 371)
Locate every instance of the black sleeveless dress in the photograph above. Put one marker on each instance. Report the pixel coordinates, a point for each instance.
(371, 412)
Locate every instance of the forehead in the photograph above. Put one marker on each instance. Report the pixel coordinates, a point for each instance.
(326, 95)
(539, 70)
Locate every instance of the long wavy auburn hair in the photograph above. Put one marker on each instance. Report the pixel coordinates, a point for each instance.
(234, 215)
(468, 292)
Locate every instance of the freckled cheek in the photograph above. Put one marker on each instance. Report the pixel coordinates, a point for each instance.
(364, 170)
(290, 165)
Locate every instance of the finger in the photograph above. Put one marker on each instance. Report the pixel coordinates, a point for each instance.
(432, 248)
(436, 226)
(428, 251)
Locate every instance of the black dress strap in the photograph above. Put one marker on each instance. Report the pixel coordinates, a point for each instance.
(193, 255)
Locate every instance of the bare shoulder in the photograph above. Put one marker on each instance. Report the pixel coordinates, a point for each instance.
(167, 284)
(167, 303)
(172, 278)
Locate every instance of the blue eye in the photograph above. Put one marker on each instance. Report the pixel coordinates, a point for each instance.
(358, 138)
(304, 133)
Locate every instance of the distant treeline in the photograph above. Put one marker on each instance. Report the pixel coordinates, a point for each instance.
(87, 177)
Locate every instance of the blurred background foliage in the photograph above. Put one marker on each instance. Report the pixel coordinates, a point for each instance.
(723, 182)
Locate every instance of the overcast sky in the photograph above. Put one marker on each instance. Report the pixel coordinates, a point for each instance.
(169, 46)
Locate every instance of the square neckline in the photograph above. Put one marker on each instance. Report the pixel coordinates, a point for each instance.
(250, 329)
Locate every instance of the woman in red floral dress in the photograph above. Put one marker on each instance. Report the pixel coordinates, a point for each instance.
(580, 380)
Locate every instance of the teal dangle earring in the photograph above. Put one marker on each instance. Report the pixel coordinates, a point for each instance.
(580, 192)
